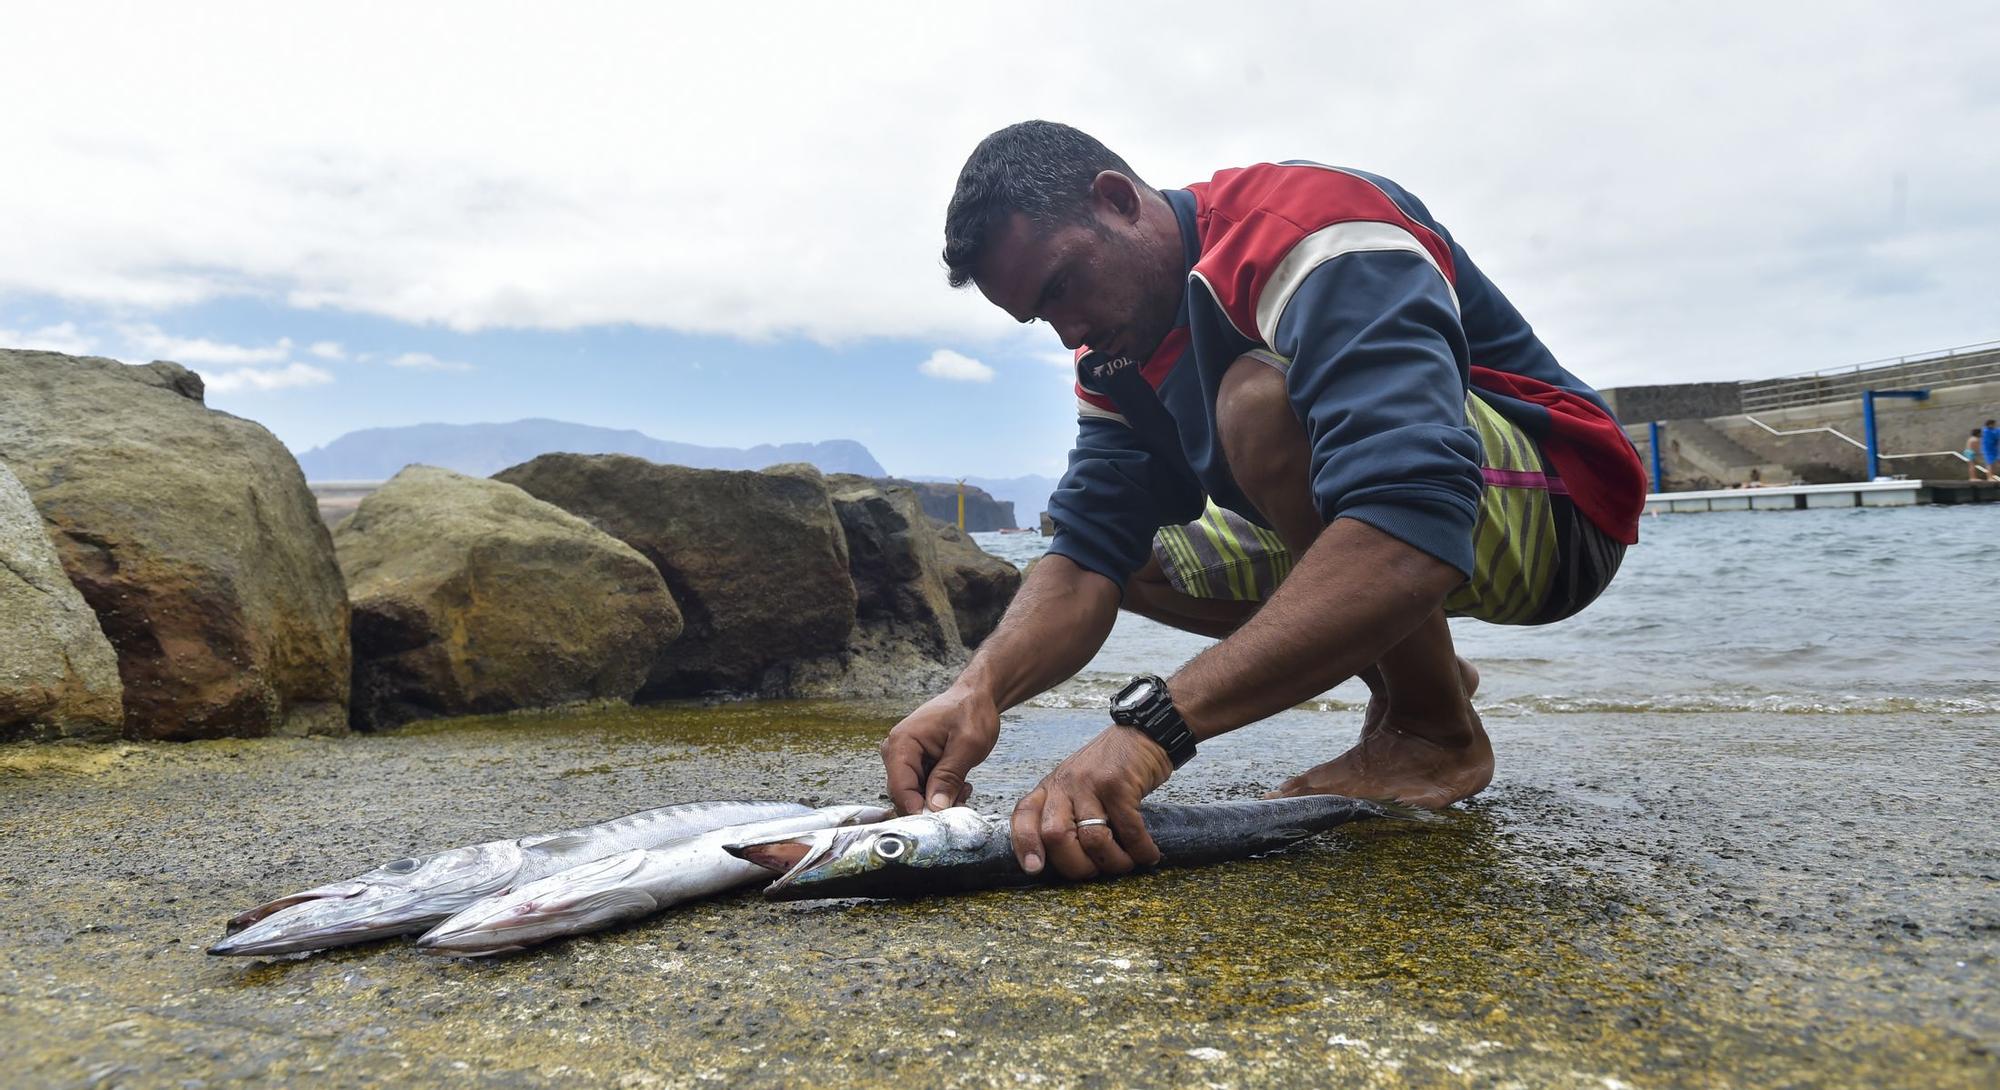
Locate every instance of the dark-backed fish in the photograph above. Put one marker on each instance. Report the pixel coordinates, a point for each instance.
(956, 850)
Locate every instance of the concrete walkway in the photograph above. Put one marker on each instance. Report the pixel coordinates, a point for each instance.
(1642, 900)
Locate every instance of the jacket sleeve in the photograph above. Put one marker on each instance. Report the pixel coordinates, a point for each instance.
(1112, 500)
(1378, 373)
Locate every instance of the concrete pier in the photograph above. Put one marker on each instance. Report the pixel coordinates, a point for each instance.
(1801, 497)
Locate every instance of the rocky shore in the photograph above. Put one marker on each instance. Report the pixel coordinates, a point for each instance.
(164, 574)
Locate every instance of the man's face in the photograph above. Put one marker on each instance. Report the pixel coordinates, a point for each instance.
(1112, 284)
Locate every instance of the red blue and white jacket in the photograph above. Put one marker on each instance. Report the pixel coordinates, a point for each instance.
(1385, 323)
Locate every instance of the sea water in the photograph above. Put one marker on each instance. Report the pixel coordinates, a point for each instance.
(1863, 611)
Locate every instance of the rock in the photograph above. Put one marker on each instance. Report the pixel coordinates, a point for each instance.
(906, 635)
(756, 561)
(471, 596)
(192, 536)
(980, 584)
(58, 674)
(1048, 525)
(940, 501)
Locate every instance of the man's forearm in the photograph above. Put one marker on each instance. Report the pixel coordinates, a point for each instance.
(1057, 621)
(1356, 593)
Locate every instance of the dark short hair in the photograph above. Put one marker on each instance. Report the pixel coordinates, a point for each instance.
(1040, 168)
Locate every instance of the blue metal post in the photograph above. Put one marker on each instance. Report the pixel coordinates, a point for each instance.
(1653, 445)
(1868, 422)
(1868, 433)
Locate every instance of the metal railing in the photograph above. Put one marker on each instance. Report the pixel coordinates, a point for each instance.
(1856, 443)
(1960, 366)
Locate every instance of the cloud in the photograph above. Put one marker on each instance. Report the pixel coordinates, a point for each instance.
(65, 337)
(327, 350)
(246, 379)
(1667, 195)
(154, 343)
(424, 361)
(946, 364)
(1063, 361)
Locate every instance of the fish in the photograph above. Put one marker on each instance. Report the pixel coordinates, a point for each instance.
(409, 895)
(960, 850)
(621, 887)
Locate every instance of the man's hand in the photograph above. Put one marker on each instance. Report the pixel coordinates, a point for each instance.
(1105, 779)
(929, 753)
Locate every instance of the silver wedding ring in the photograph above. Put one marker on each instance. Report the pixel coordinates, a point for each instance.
(1088, 822)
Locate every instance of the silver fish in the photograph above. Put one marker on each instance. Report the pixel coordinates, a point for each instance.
(411, 894)
(957, 850)
(625, 886)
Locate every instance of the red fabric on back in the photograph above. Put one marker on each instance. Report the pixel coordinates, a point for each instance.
(1588, 450)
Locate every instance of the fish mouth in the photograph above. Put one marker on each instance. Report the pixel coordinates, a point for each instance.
(792, 855)
(318, 921)
(340, 891)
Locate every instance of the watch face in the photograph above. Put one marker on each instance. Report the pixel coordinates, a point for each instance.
(1134, 696)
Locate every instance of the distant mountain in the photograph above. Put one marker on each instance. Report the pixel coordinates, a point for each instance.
(1029, 494)
(484, 449)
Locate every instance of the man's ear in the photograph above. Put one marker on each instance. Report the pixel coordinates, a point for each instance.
(1116, 196)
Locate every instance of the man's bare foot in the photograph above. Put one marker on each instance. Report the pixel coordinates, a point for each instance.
(1396, 761)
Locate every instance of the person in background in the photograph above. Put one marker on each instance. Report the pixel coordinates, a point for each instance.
(1989, 442)
(1973, 470)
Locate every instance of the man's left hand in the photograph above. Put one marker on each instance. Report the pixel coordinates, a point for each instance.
(1105, 779)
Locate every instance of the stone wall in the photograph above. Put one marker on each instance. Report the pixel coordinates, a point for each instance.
(1682, 401)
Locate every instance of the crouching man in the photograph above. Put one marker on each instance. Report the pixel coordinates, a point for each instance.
(1309, 427)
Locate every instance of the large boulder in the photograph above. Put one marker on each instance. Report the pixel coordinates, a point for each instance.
(906, 636)
(191, 534)
(471, 596)
(58, 674)
(756, 561)
(980, 584)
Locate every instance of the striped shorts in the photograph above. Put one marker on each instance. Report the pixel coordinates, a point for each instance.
(1535, 558)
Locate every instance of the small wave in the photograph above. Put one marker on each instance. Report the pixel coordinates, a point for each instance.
(1091, 693)
(1765, 703)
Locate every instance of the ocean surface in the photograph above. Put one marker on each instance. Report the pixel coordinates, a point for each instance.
(1882, 611)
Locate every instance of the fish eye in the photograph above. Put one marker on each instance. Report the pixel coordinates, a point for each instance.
(889, 847)
(400, 866)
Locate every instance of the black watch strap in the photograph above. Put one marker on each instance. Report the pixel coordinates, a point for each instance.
(1145, 705)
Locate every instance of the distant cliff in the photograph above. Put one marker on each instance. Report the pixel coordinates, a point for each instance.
(1029, 494)
(940, 501)
(481, 450)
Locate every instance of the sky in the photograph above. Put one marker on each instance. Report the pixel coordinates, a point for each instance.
(722, 226)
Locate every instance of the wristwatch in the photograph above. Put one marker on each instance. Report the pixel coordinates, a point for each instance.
(1145, 705)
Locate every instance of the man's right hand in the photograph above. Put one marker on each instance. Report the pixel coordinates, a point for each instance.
(930, 752)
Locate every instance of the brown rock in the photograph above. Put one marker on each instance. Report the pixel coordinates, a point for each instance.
(980, 584)
(191, 534)
(58, 674)
(471, 596)
(756, 561)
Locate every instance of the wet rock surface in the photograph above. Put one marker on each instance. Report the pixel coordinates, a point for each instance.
(755, 560)
(192, 535)
(58, 674)
(470, 595)
(1748, 900)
